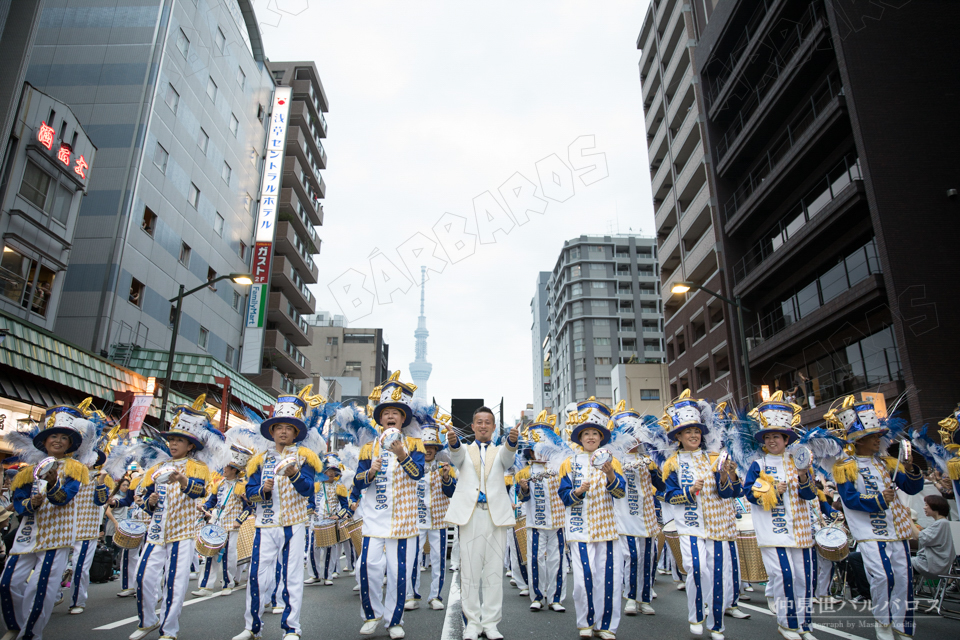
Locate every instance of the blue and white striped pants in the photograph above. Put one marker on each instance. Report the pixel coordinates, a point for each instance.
(791, 581)
(27, 606)
(597, 584)
(639, 566)
(891, 582)
(713, 579)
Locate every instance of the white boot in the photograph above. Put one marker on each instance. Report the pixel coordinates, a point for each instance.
(646, 609)
(630, 609)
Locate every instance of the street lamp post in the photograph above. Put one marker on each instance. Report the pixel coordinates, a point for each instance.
(238, 278)
(683, 287)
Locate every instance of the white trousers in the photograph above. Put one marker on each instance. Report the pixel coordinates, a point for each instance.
(481, 571)
(27, 606)
(83, 552)
(226, 561)
(713, 579)
(518, 569)
(438, 563)
(791, 577)
(597, 582)
(158, 563)
(824, 576)
(270, 546)
(393, 558)
(545, 567)
(129, 559)
(891, 582)
(639, 567)
(455, 550)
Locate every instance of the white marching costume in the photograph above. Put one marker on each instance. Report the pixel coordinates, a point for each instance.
(433, 498)
(91, 503)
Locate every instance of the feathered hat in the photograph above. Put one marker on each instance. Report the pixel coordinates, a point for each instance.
(590, 414)
(291, 410)
(948, 431)
(627, 425)
(776, 415)
(433, 432)
(244, 443)
(393, 394)
(192, 422)
(682, 413)
(354, 425)
(71, 421)
(856, 419)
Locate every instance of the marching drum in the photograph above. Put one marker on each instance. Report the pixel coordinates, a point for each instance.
(673, 541)
(325, 535)
(520, 532)
(210, 540)
(832, 543)
(129, 534)
(356, 535)
(343, 530)
(751, 560)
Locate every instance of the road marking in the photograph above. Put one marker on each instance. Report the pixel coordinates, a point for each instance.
(126, 621)
(451, 624)
(818, 627)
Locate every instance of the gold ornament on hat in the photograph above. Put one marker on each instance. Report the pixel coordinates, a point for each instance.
(84, 407)
(948, 429)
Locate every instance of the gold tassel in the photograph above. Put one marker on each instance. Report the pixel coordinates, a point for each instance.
(23, 477)
(523, 474)
(670, 466)
(342, 491)
(767, 496)
(565, 468)
(197, 470)
(953, 468)
(415, 444)
(111, 485)
(366, 452)
(74, 469)
(310, 458)
(254, 463)
(845, 471)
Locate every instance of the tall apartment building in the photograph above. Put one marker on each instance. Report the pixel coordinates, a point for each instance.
(604, 308)
(698, 335)
(540, 332)
(837, 192)
(284, 365)
(357, 358)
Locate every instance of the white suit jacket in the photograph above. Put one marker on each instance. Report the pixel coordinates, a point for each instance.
(467, 460)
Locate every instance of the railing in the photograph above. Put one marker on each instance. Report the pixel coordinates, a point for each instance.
(729, 63)
(781, 59)
(826, 189)
(294, 353)
(298, 282)
(819, 101)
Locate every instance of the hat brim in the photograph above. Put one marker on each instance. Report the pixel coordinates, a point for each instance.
(789, 433)
(296, 423)
(403, 407)
(857, 435)
(40, 439)
(101, 458)
(194, 440)
(673, 433)
(577, 430)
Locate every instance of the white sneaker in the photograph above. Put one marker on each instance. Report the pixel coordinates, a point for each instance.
(291, 636)
(681, 586)
(513, 582)
(410, 605)
(328, 583)
(76, 610)
(193, 575)
(310, 580)
(396, 632)
(436, 605)
(735, 612)
(559, 608)
(509, 574)
(607, 635)
(806, 635)
(696, 629)
(125, 593)
(630, 609)
(356, 587)
(653, 594)
(246, 634)
(143, 632)
(369, 627)
(278, 610)
(748, 587)
(524, 592)
(586, 633)
(716, 635)
(350, 572)
(10, 635)
(202, 592)
(788, 634)
(536, 605)
(334, 575)
(646, 609)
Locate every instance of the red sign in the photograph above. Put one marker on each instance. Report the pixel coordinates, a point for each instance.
(81, 168)
(64, 154)
(261, 262)
(45, 135)
(138, 411)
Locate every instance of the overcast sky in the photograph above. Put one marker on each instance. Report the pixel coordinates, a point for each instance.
(432, 104)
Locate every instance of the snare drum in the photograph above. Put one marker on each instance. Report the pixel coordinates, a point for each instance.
(673, 541)
(325, 535)
(356, 535)
(832, 543)
(751, 560)
(129, 534)
(520, 531)
(343, 530)
(210, 540)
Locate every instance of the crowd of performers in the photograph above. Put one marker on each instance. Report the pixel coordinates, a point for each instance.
(721, 497)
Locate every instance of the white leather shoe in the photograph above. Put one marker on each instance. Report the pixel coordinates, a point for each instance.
(278, 610)
(493, 634)
(788, 634)
(524, 592)
(884, 632)
(735, 612)
(653, 594)
(76, 610)
(436, 605)
(681, 586)
(806, 635)
(143, 632)
(334, 575)
(410, 605)
(246, 634)
(291, 636)
(202, 592)
(328, 583)
(396, 632)
(696, 629)
(369, 627)
(356, 587)
(309, 580)
(559, 608)
(536, 605)
(772, 605)
(646, 609)
(607, 635)
(125, 593)
(513, 582)
(716, 635)
(586, 633)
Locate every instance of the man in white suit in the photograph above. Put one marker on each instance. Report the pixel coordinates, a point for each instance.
(483, 510)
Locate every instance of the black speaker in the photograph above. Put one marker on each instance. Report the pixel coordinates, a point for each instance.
(461, 413)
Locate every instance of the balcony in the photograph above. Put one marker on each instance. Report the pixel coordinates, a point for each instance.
(288, 321)
(680, 136)
(665, 210)
(661, 10)
(694, 163)
(303, 90)
(294, 178)
(695, 257)
(679, 59)
(303, 218)
(274, 382)
(669, 246)
(657, 149)
(662, 180)
(301, 118)
(652, 80)
(655, 111)
(288, 280)
(309, 163)
(290, 245)
(691, 214)
(282, 354)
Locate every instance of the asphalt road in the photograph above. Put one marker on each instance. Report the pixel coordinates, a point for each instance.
(334, 612)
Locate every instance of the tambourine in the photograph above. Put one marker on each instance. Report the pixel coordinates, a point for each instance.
(283, 464)
(389, 437)
(44, 467)
(802, 457)
(906, 450)
(722, 459)
(600, 457)
(162, 475)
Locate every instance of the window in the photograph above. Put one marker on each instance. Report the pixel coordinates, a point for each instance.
(221, 40)
(204, 338)
(173, 98)
(194, 196)
(254, 157)
(575, 271)
(149, 222)
(242, 251)
(183, 43)
(160, 157)
(598, 285)
(353, 365)
(578, 345)
(25, 281)
(602, 361)
(574, 254)
(261, 112)
(650, 394)
(234, 125)
(136, 293)
(226, 172)
(601, 342)
(231, 356)
(576, 289)
(603, 381)
(185, 254)
(333, 341)
(218, 224)
(211, 276)
(580, 384)
(236, 301)
(241, 78)
(579, 364)
(173, 315)
(61, 209)
(596, 266)
(598, 306)
(577, 308)
(211, 89)
(35, 185)
(203, 141)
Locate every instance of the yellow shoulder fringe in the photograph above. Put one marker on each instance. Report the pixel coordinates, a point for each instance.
(366, 451)
(566, 467)
(23, 477)
(523, 474)
(197, 470)
(310, 458)
(74, 469)
(342, 491)
(415, 444)
(845, 470)
(254, 463)
(617, 466)
(768, 499)
(670, 466)
(111, 485)
(953, 468)
(508, 480)
(821, 496)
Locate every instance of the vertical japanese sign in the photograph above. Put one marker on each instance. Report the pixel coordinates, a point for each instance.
(138, 411)
(250, 355)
